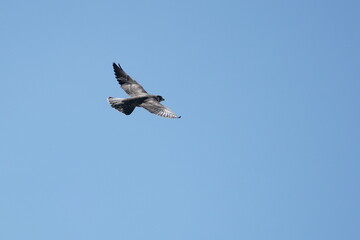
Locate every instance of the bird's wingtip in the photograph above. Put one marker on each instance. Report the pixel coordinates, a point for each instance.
(117, 67)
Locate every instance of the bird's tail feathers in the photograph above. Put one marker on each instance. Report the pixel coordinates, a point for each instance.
(121, 105)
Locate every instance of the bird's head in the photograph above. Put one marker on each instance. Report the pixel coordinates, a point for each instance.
(160, 98)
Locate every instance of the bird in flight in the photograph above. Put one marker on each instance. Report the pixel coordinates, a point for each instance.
(138, 97)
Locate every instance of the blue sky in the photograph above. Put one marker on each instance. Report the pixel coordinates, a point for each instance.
(267, 146)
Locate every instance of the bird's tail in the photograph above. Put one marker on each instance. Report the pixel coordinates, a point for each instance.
(121, 105)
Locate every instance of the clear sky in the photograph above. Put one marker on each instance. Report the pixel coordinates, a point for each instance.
(268, 146)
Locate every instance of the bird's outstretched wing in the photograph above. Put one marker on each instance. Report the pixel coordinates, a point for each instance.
(157, 108)
(129, 85)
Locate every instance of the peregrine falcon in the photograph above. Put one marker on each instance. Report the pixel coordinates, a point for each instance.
(138, 97)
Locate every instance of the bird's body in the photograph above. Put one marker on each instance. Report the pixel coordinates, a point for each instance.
(138, 97)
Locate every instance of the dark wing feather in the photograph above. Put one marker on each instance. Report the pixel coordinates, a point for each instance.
(129, 85)
(157, 108)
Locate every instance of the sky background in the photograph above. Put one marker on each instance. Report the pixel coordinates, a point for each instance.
(268, 146)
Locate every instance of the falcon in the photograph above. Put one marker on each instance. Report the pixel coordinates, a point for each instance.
(138, 97)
